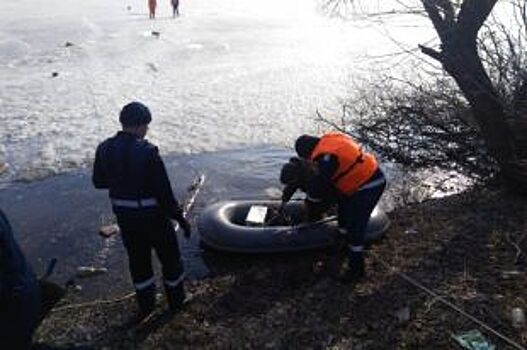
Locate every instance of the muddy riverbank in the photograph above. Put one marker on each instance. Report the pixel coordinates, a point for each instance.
(463, 247)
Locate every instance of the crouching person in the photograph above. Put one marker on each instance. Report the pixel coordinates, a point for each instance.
(299, 174)
(142, 199)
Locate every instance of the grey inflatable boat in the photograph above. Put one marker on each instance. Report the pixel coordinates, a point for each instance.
(245, 226)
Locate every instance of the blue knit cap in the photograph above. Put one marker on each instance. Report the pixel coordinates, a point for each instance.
(135, 114)
(305, 144)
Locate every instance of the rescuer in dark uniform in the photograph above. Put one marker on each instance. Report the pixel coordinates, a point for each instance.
(143, 202)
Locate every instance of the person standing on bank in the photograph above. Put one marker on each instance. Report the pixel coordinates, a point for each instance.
(352, 178)
(142, 199)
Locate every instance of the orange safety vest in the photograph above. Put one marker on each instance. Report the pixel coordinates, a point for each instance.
(355, 166)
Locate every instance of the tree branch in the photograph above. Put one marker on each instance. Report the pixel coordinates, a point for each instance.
(431, 52)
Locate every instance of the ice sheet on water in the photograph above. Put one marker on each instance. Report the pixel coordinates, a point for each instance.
(235, 74)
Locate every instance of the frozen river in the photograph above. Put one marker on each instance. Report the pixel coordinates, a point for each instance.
(230, 84)
(224, 75)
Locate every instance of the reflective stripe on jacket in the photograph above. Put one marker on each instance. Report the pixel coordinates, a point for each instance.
(135, 175)
(355, 166)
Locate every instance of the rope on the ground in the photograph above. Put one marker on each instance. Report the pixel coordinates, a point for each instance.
(94, 303)
(449, 304)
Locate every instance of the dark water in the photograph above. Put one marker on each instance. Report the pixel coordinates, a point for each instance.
(59, 217)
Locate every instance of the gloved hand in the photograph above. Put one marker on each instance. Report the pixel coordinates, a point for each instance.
(185, 226)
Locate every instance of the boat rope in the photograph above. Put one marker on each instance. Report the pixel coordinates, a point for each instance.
(447, 303)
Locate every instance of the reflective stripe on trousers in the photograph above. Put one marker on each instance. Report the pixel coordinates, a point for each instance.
(175, 283)
(139, 286)
(356, 248)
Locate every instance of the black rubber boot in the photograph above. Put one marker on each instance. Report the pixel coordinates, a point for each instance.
(175, 297)
(146, 299)
(355, 271)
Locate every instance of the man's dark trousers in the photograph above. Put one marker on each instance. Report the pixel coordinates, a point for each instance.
(142, 232)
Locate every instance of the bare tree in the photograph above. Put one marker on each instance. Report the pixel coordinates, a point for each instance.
(479, 65)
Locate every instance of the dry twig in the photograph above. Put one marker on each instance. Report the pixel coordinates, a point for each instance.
(516, 245)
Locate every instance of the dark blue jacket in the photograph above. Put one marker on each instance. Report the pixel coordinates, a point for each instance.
(131, 169)
(15, 272)
(19, 293)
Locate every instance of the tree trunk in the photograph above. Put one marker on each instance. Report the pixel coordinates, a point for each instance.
(462, 62)
(519, 122)
(505, 144)
(459, 57)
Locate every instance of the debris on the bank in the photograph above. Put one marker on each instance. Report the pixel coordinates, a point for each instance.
(473, 340)
(109, 230)
(518, 317)
(411, 231)
(403, 315)
(90, 271)
(506, 275)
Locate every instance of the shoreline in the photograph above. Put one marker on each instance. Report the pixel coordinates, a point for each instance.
(60, 216)
(458, 246)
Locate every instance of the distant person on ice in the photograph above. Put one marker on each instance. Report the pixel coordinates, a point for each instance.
(152, 4)
(142, 199)
(346, 175)
(175, 8)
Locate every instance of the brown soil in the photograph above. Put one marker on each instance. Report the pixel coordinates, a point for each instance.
(462, 247)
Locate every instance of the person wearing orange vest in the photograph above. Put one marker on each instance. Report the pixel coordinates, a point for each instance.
(350, 177)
